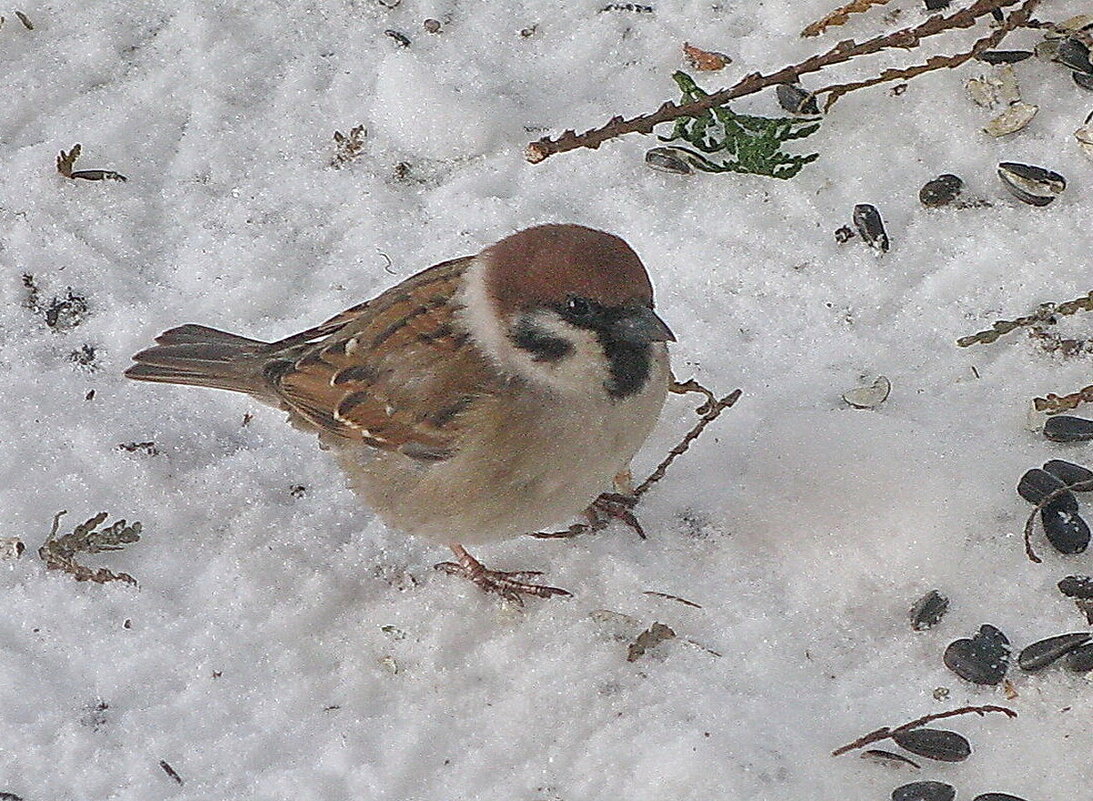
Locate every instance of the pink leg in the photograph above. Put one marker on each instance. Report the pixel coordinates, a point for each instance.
(509, 585)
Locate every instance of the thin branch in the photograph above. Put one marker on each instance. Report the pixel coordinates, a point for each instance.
(884, 732)
(840, 16)
(1015, 20)
(1043, 314)
(907, 38)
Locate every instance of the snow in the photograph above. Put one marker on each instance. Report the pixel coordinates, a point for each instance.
(284, 647)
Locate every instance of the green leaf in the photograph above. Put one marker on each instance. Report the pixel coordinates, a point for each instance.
(725, 141)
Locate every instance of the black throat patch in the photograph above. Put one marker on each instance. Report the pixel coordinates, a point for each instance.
(629, 365)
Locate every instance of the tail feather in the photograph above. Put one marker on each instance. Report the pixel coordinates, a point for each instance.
(205, 357)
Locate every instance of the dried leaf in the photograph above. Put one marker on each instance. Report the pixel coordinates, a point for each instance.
(705, 60)
(66, 160)
(59, 552)
(650, 638)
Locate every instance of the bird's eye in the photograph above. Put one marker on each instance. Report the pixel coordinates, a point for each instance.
(578, 307)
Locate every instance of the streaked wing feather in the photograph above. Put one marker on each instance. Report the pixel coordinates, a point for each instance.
(393, 373)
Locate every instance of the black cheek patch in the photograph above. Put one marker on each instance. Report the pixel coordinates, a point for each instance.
(542, 346)
(629, 365)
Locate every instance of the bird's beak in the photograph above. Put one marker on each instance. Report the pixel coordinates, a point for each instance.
(640, 326)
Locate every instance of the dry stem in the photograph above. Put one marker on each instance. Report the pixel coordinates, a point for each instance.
(840, 15)
(907, 38)
(884, 732)
(1054, 403)
(1015, 20)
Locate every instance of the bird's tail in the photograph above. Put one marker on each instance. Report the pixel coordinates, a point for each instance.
(204, 357)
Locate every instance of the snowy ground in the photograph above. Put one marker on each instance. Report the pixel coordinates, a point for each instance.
(286, 645)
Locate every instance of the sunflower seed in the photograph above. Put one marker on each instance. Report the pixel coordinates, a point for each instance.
(1077, 586)
(940, 191)
(1064, 428)
(1011, 120)
(924, 791)
(1069, 473)
(871, 227)
(1041, 654)
(944, 746)
(928, 610)
(983, 659)
(1037, 484)
(1067, 532)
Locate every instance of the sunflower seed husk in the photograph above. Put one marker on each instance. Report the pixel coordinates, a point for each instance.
(1041, 654)
(871, 227)
(1067, 532)
(1004, 56)
(928, 610)
(669, 159)
(1012, 120)
(1030, 184)
(983, 659)
(797, 100)
(1080, 660)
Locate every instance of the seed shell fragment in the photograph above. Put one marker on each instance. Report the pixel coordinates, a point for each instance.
(941, 191)
(797, 100)
(997, 797)
(928, 610)
(924, 791)
(1012, 120)
(1077, 586)
(889, 758)
(1004, 56)
(871, 396)
(1041, 654)
(944, 746)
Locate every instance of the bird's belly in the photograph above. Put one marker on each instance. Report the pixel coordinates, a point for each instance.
(532, 473)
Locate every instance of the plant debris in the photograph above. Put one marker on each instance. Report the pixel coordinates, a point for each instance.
(705, 60)
(11, 548)
(1043, 314)
(147, 448)
(348, 146)
(59, 553)
(840, 16)
(648, 639)
(725, 141)
(170, 771)
(23, 18)
(885, 733)
(65, 161)
(60, 313)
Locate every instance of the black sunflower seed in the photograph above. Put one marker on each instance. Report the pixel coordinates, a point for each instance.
(1041, 654)
(924, 791)
(996, 797)
(871, 227)
(1066, 530)
(1068, 472)
(1037, 484)
(1065, 428)
(983, 659)
(940, 191)
(945, 746)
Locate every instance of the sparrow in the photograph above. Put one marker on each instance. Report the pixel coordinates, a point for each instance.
(482, 398)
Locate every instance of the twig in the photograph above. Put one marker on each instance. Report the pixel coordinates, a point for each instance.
(840, 15)
(1015, 20)
(1054, 403)
(708, 417)
(884, 732)
(1044, 312)
(1030, 523)
(709, 411)
(906, 38)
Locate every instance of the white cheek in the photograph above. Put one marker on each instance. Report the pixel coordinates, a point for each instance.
(584, 370)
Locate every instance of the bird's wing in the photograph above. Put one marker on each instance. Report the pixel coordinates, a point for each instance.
(397, 373)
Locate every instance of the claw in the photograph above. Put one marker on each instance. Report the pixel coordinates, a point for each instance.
(509, 585)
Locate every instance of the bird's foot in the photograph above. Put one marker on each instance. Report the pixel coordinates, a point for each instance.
(509, 585)
(614, 506)
(607, 507)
